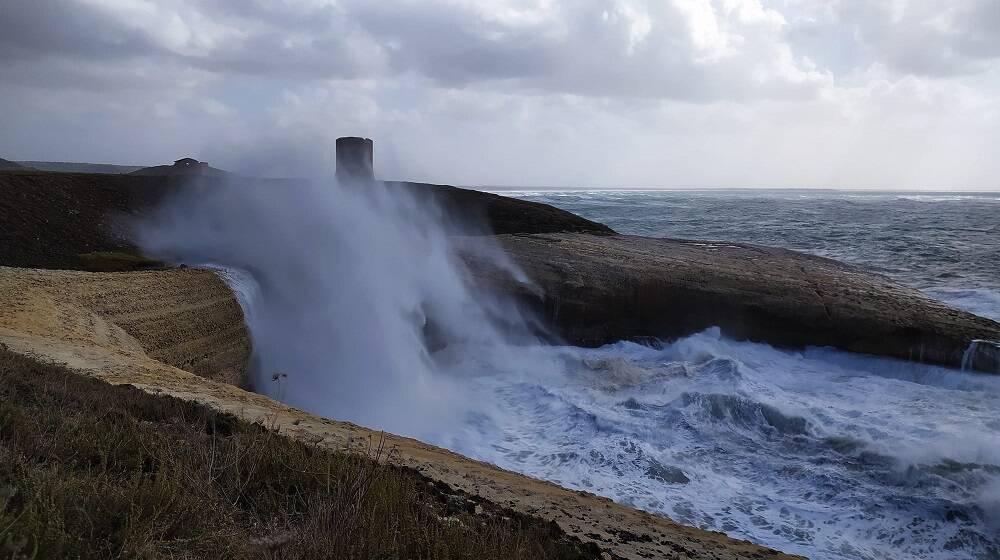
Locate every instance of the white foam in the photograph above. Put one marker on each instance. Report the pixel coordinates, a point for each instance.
(820, 452)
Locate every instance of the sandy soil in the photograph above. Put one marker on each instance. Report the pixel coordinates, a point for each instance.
(153, 329)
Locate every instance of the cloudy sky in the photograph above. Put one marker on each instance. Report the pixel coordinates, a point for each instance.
(642, 93)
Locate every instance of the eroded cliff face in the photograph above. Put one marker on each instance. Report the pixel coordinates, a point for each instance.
(597, 289)
(183, 318)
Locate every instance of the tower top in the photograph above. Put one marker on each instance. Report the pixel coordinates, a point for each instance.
(355, 159)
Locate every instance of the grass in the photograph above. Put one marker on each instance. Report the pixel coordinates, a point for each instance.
(90, 470)
(115, 261)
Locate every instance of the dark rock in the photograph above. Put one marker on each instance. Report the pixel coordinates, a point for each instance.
(668, 474)
(466, 211)
(982, 355)
(599, 289)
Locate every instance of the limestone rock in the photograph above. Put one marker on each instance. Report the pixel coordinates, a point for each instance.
(595, 289)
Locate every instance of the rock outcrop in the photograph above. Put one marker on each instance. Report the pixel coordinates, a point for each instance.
(596, 289)
(469, 212)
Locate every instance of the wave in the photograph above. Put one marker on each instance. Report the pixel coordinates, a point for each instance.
(818, 452)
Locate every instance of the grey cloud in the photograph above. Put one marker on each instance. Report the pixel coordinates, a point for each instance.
(581, 94)
(579, 50)
(288, 40)
(50, 27)
(928, 38)
(68, 43)
(452, 46)
(979, 25)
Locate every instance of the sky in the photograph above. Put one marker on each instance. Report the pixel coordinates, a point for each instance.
(564, 93)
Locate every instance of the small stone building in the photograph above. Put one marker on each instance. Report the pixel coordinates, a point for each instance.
(190, 164)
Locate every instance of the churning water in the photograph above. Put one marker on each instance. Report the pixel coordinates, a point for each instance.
(822, 453)
(817, 452)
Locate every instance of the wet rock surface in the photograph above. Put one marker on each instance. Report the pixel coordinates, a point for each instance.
(597, 289)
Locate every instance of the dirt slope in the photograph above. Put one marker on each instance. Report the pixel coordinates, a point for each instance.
(136, 328)
(183, 318)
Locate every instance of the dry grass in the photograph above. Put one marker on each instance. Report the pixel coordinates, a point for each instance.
(90, 470)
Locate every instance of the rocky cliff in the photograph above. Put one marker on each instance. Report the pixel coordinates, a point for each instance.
(596, 289)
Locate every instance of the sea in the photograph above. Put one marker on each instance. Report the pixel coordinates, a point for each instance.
(818, 452)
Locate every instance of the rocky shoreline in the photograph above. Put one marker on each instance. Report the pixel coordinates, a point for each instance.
(589, 284)
(597, 289)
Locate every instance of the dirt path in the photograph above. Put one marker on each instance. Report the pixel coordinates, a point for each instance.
(153, 329)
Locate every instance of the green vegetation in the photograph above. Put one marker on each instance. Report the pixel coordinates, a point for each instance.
(115, 261)
(90, 470)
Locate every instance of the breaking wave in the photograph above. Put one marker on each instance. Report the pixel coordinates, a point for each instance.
(820, 452)
(360, 311)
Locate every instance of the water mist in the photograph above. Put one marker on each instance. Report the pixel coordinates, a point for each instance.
(357, 294)
(347, 289)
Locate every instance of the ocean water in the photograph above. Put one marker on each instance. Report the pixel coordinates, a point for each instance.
(818, 452)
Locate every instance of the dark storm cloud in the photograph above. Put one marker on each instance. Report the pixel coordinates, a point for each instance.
(34, 28)
(589, 47)
(62, 43)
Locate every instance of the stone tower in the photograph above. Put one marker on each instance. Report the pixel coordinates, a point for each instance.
(355, 159)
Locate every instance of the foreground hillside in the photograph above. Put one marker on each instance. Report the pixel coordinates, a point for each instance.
(130, 332)
(92, 471)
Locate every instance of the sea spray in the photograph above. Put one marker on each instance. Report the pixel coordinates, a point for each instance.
(818, 452)
(356, 284)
